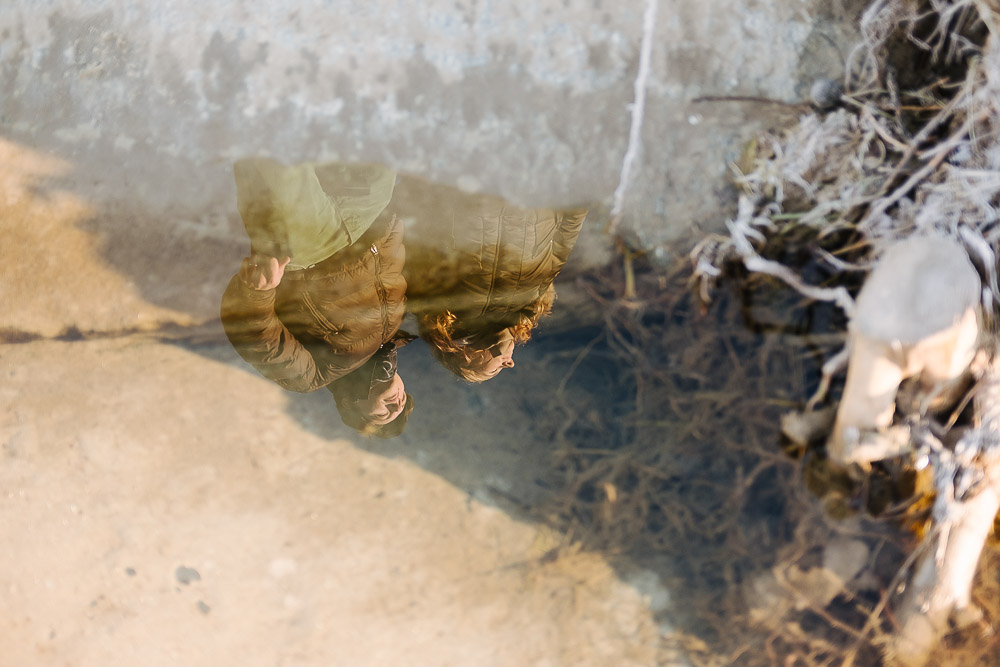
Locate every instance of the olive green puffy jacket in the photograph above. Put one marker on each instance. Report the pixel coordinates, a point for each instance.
(308, 211)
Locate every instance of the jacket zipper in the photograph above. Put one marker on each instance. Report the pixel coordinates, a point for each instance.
(496, 261)
(380, 290)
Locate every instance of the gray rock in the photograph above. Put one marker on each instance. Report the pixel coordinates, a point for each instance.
(185, 575)
(825, 93)
(920, 286)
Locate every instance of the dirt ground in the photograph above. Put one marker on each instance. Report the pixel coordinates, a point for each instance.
(161, 508)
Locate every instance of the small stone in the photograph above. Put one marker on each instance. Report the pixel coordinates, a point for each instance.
(825, 93)
(817, 585)
(203, 608)
(130, 571)
(659, 257)
(845, 557)
(186, 575)
(801, 428)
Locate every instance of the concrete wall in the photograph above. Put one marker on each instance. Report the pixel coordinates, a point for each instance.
(139, 109)
(153, 100)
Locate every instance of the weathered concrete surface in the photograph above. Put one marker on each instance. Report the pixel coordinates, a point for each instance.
(126, 460)
(149, 103)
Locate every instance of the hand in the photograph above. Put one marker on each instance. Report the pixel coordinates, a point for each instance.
(261, 272)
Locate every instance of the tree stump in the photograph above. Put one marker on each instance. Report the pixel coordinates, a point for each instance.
(916, 316)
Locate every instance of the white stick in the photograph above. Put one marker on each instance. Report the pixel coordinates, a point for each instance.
(941, 588)
(638, 108)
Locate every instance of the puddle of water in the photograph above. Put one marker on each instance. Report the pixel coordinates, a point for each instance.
(646, 430)
(341, 253)
(658, 423)
(771, 555)
(654, 432)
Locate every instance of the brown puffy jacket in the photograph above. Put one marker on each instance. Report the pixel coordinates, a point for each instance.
(477, 255)
(323, 322)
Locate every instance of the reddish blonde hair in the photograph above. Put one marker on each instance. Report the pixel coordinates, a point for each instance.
(467, 359)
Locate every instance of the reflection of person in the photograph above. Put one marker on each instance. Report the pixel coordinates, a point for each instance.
(479, 272)
(373, 399)
(308, 211)
(300, 316)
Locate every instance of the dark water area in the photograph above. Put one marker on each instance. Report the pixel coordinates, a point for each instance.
(668, 452)
(644, 427)
(681, 461)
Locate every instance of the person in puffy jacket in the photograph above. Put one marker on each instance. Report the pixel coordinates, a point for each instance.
(323, 288)
(479, 271)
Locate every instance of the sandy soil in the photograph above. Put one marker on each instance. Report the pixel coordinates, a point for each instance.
(162, 508)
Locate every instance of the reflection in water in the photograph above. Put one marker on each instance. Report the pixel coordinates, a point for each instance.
(372, 399)
(323, 289)
(320, 299)
(309, 212)
(479, 272)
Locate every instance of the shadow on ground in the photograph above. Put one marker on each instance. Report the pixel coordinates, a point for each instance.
(653, 438)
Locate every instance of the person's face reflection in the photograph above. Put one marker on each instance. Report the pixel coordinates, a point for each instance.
(384, 407)
(504, 359)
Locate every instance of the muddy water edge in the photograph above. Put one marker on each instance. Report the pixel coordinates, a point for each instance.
(668, 454)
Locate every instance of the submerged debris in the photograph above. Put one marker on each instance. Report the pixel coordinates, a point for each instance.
(909, 169)
(817, 563)
(916, 316)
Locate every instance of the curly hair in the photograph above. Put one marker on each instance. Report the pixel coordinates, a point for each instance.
(351, 417)
(467, 355)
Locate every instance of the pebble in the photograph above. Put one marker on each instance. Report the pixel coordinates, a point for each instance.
(825, 93)
(186, 575)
